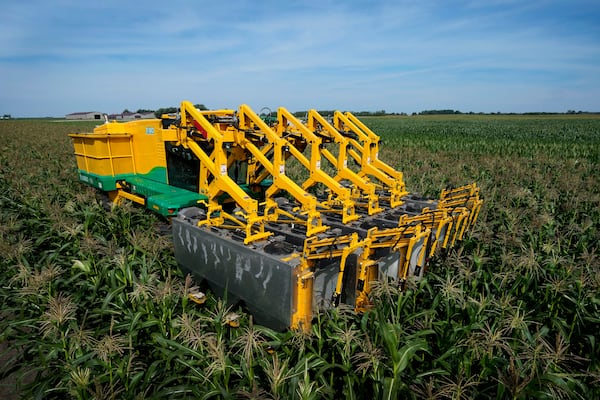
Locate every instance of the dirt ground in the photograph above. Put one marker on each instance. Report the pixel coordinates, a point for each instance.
(8, 386)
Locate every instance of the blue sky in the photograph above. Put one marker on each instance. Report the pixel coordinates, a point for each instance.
(64, 56)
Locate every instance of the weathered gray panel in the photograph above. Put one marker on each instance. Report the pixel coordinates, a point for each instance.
(325, 282)
(324, 285)
(389, 265)
(262, 281)
(417, 252)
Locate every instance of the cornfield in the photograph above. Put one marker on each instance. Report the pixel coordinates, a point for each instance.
(94, 306)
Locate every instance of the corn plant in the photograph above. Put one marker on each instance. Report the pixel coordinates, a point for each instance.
(94, 305)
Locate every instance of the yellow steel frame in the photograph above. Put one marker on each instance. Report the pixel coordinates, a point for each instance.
(365, 151)
(401, 240)
(270, 147)
(363, 188)
(220, 138)
(250, 122)
(436, 220)
(316, 248)
(215, 166)
(332, 247)
(250, 139)
(290, 125)
(463, 201)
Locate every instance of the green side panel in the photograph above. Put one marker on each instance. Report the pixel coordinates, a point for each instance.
(102, 182)
(158, 174)
(169, 203)
(160, 197)
(147, 187)
(108, 183)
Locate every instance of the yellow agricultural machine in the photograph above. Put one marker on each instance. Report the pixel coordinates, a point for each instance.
(284, 247)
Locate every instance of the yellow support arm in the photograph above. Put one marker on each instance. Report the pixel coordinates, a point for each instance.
(374, 148)
(287, 121)
(316, 123)
(366, 154)
(194, 123)
(333, 247)
(249, 121)
(466, 197)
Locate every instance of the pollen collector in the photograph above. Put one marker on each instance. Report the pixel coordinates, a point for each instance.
(243, 225)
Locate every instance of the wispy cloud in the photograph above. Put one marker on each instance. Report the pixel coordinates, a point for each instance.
(63, 56)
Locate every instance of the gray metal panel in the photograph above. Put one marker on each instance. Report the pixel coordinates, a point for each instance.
(417, 252)
(325, 281)
(324, 285)
(265, 283)
(389, 265)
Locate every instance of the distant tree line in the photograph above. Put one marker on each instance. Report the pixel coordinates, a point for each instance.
(173, 110)
(161, 111)
(436, 112)
(446, 112)
(378, 113)
(329, 113)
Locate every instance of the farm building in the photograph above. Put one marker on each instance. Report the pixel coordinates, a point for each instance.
(84, 115)
(130, 116)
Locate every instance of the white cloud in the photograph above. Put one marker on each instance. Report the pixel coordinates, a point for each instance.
(352, 54)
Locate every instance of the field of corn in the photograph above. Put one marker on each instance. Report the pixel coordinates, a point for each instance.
(93, 305)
